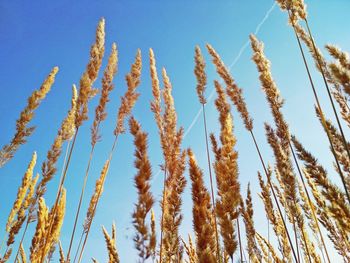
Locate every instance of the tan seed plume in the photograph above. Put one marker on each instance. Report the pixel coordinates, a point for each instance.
(86, 91)
(22, 129)
(232, 90)
(107, 87)
(130, 97)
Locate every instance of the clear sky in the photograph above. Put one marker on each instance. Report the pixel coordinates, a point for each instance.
(37, 35)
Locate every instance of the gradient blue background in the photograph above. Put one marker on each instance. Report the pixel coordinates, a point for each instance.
(37, 35)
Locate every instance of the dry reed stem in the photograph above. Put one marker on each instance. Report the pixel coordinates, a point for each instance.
(22, 129)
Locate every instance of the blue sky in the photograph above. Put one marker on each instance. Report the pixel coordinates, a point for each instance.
(37, 35)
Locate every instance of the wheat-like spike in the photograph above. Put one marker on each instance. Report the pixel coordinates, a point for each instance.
(247, 213)
(339, 55)
(232, 89)
(199, 72)
(57, 222)
(86, 91)
(22, 129)
(107, 87)
(130, 97)
(202, 214)
(190, 250)
(226, 170)
(263, 242)
(111, 247)
(156, 103)
(175, 182)
(295, 8)
(62, 257)
(22, 254)
(334, 233)
(337, 206)
(275, 219)
(270, 88)
(21, 193)
(42, 215)
(339, 149)
(145, 201)
(6, 256)
(48, 167)
(21, 214)
(95, 197)
(341, 75)
(153, 237)
(320, 61)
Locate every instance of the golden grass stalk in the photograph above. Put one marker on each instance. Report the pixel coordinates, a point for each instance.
(337, 206)
(62, 257)
(22, 129)
(174, 158)
(65, 133)
(127, 103)
(143, 235)
(337, 92)
(129, 99)
(335, 234)
(23, 254)
(275, 219)
(203, 217)
(175, 182)
(236, 96)
(232, 90)
(107, 87)
(21, 214)
(113, 256)
(226, 170)
(40, 246)
(21, 193)
(93, 205)
(264, 243)
(201, 86)
(6, 255)
(86, 91)
(190, 250)
(322, 67)
(247, 212)
(338, 54)
(295, 8)
(153, 238)
(48, 167)
(100, 115)
(199, 71)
